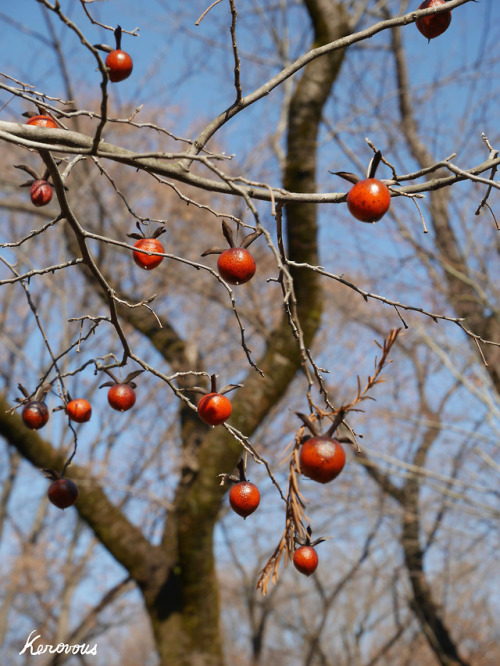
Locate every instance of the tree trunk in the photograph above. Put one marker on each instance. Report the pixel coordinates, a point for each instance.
(186, 610)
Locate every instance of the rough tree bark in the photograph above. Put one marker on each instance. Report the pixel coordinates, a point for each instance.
(177, 578)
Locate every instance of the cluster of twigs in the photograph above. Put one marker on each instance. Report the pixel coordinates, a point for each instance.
(296, 521)
(175, 166)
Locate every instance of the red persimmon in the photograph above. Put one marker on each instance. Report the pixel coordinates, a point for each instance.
(305, 560)
(63, 493)
(42, 121)
(121, 397)
(148, 261)
(41, 193)
(369, 200)
(79, 410)
(244, 498)
(321, 458)
(214, 408)
(434, 25)
(35, 414)
(236, 265)
(119, 65)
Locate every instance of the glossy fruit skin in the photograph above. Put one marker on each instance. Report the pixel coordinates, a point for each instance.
(35, 414)
(305, 560)
(369, 200)
(236, 265)
(321, 458)
(433, 26)
(148, 262)
(119, 65)
(121, 397)
(79, 410)
(244, 498)
(43, 121)
(214, 408)
(41, 193)
(63, 493)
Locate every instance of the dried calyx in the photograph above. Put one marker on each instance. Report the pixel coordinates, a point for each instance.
(228, 235)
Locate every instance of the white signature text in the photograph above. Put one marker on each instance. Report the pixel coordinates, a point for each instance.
(60, 648)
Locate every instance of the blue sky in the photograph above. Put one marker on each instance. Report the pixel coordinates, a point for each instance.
(181, 66)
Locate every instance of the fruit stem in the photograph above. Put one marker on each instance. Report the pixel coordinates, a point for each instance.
(118, 37)
(308, 537)
(241, 467)
(213, 383)
(374, 162)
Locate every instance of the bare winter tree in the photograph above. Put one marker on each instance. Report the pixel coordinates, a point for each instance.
(78, 313)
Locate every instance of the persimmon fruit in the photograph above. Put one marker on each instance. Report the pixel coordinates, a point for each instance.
(42, 121)
(214, 408)
(434, 25)
(244, 498)
(369, 200)
(40, 193)
(63, 493)
(121, 397)
(148, 261)
(321, 458)
(119, 65)
(79, 410)
(236, 265)
(35, 414)
(305, 560)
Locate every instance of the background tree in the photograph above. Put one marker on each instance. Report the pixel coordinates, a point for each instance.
(155, 509)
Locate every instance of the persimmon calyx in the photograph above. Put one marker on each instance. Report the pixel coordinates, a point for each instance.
(307, 421)
(232, 477)
(106, 48)
(213, 387)
(346, 175)
(51, 474)
(140, 233)
(38, 396)
(225, 478)
(373, 165)
(370, 172)
(306, 540)
(128, 379)
(228, 235)
(29, 171)
(309, 424)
